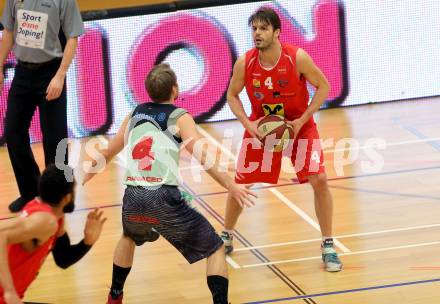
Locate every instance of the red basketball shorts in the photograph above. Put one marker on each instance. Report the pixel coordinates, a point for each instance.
(256, 164)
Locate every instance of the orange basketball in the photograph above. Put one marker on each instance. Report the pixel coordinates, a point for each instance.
(276, 132)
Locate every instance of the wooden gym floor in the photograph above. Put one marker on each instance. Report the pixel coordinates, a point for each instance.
(387, 223)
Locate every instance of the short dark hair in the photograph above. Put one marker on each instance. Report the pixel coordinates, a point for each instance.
(266, 15)
(160, 82)
(53, 184)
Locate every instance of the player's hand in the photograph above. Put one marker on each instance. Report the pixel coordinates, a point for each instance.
(242, 195)
(88, 176)
(252, 128)
(55, 87)
(93, 227)
(11, 297)
(296, 124)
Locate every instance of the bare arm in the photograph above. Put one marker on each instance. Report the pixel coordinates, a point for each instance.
(69, 54)
(315, 77)
(7, 43)
(192, 137)
(236, 85)
(114, 147)
(118, 142)
(307, 68)
(56, 85)
(40, 225)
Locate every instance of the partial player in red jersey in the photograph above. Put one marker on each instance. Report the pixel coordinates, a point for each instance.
(275, 76)
(26, 241)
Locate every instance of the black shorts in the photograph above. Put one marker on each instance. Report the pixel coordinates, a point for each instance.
(168, 213)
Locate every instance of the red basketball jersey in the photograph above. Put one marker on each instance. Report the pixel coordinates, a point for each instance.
(278, 90)
(24, 266)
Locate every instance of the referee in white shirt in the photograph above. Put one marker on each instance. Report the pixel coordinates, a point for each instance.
(43, 37)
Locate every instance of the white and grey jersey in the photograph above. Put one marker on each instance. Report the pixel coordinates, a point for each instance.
(36, 26)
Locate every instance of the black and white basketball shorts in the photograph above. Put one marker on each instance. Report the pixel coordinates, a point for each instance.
(165, 210)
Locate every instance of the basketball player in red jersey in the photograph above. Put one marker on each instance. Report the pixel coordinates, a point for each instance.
(275, 75)
(26, 241)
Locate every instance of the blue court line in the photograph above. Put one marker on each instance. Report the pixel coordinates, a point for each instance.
(417, 133)
(409, 195)
(345, 291)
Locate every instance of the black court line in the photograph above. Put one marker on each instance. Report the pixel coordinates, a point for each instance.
(291, 284)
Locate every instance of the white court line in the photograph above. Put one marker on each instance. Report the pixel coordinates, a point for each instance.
(277, 193)
(304, 215)
(342, 254)
(398, 143)
(231, 155)
(339, 237)
(231, 262)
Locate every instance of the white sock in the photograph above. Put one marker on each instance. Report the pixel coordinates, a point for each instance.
(324, 238)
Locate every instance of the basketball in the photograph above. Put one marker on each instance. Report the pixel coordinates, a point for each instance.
(275, 129)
